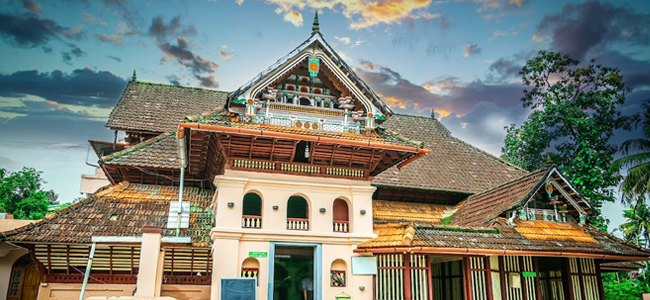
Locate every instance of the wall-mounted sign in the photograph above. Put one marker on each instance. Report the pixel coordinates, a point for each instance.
(529, 274)
(258, 254)
(364, 265)
(238, 288)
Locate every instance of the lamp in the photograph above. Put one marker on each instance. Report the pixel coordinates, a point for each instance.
(363, 211)
(275, 207)
(231, 204)
(322, 210)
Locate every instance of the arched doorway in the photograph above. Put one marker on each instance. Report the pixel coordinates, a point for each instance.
(25, 280)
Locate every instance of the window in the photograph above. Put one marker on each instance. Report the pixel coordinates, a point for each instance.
(337, 273)
(341, 216)
(250, 268)
(297, 213)
(252, 211)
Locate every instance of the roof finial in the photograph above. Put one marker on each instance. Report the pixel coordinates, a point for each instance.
(314, 27)
(549, 161)
(133, 78)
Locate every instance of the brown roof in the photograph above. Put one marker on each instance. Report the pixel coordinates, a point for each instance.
(484, 207)
(452, 165)
(393, 211)
(152, 107)
(504, 237)
(131, 206)
(160, 152)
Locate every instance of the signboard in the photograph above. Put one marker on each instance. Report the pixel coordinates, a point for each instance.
(529, 274)
(258, 254)
(238, 288)
(364, 265)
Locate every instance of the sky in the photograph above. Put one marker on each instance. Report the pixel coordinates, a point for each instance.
(65, 63)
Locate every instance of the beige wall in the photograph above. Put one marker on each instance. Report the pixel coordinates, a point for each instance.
(232, 243)
(10, 224)
(71, 291)
(10, 255)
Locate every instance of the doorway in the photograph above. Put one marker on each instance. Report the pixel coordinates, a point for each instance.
(295, 272)
(25, 280)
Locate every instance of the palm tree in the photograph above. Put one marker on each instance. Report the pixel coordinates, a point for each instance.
(637, 227)
(635, 185)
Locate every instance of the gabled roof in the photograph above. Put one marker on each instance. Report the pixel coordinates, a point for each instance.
(160, 152)
(316, 39)
(398, 212)
(121, 210)
(452, 165)
(482, 208)
(158, 108)
(543, 238)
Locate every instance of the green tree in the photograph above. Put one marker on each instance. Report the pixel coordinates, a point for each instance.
(22, 194)
(636, 184)
(574, 115)
(619, 286)
(637, 228)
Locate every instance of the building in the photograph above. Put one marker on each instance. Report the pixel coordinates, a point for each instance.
(304, 177)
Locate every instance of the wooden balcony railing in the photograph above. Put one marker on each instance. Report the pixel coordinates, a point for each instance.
(341, 226)
(251, 222)
(297, 224)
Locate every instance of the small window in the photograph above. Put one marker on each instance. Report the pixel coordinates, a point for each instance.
(252, 211)
(297, 213)
(338, 273)
(341, 216)
(250, 268)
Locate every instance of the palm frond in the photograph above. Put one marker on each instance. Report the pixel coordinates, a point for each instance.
(635, 145)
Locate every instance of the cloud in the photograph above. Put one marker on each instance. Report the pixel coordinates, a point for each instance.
(471, 49)
(580, 28)
(501, 33)
(93, 20)
(343, 40)
(84, 87)
(29, 30)
(32, 6)
(161, 31)
(74, 52)
(225, 53)
(183, 55)
(502, 70)
(173, 79)
(485, 5)
(636, 73)
(113, 38)
(45, 108)
(75, 33)
(115, 58)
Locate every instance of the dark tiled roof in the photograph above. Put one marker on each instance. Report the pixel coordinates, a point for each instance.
(159, 108)
(160, 152)
(569, 238)
(132, 206)
(484, 207)
(393, 211)
(452, 165)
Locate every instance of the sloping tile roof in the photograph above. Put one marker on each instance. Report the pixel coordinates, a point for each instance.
(503, 237)
(482, 208)
(159, 108)
(160, 152)
(452, 165)
(421, 213)
(132, 206)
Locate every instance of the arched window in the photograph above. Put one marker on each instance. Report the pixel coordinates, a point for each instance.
(250, 268)
(24, 279)
(337, 273)
(297, 213)
(341, 216)
(252, 211)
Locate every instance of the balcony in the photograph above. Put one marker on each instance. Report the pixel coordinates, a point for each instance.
(297, 224)
(251, 222)
(341, 226)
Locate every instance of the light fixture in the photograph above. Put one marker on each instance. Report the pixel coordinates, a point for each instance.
(322, 210)
(231, 204)
(306, 150)
(363, 211)
(362, 287)
(275, 207)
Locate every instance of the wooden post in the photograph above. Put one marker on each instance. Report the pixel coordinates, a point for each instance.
(566, 278)
(599, 277)
(538, 288)
(580, 278)
(502, 276)
(407, 276)
(524, 292)
(468, 279)
(488, 278)
(429, 279)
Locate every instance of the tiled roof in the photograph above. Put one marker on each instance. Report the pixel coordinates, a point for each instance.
(154, 107)
(121, 210)
(160, 152)
(538, 236)
(393, 211)
(452, 165)
(482, 208)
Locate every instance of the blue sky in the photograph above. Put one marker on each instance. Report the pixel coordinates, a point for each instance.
(65, 63)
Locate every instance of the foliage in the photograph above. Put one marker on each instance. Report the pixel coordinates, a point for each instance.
(637, 228)
(619, 286)
(574, 115)
(635, 186)
(22, 194)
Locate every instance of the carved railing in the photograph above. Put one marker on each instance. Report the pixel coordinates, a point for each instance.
(341, 226)
(251, 221)
(309, 169)
(253, 164)
(94, 278)
(297, 224)
(345, 172)
(187, 279)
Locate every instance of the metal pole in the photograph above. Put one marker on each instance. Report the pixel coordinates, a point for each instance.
(181, 148)
(87, 273)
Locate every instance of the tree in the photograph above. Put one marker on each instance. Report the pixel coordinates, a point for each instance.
(574, 115)
(22, 194)
(637, 228)
(635, 186)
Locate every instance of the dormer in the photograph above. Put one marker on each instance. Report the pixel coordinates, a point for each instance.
(310, 88)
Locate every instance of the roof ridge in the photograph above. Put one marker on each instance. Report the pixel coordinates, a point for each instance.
(177, 86)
